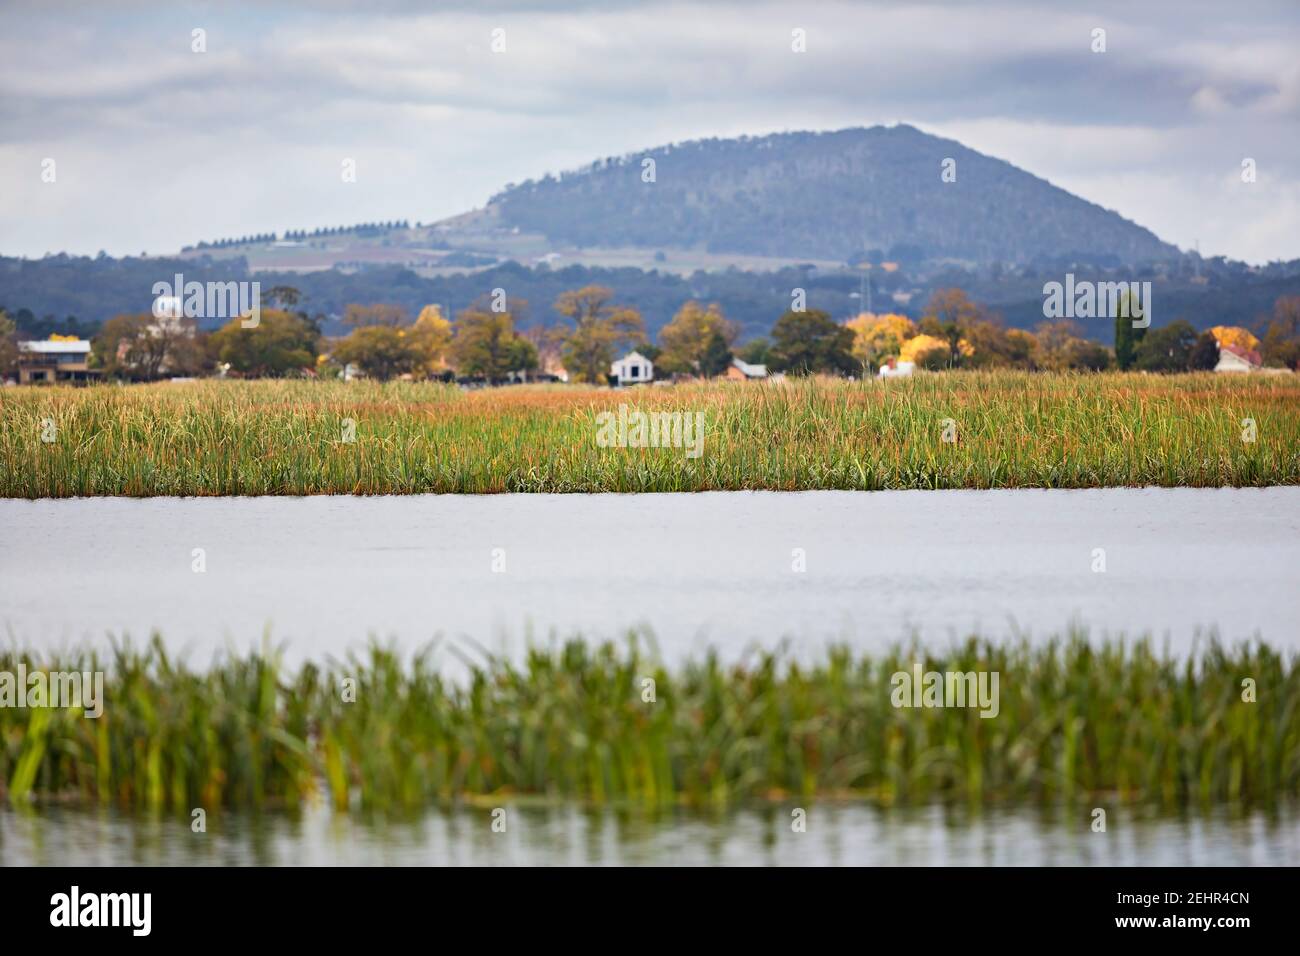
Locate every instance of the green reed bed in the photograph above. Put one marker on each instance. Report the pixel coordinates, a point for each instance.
(1115, 721)
(288, 437)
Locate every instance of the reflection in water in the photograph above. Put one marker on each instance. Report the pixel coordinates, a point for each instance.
(835, 835)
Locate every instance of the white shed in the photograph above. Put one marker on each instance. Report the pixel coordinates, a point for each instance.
(896, 369)
(633, 369)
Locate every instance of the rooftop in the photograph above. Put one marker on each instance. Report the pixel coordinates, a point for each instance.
(1250, 355)
(52, 348)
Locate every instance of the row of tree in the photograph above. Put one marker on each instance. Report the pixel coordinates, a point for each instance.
(955, 332)
(486, 341)
(1178, 347)
(490, 341)
(239, 241)
(361, 229)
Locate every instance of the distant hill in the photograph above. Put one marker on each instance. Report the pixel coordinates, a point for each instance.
(830, 196)
(741, 222)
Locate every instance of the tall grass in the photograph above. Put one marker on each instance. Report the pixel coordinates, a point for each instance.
(1078, 720)
(1013, 430)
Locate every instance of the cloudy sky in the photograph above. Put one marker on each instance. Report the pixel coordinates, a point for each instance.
(156, 146)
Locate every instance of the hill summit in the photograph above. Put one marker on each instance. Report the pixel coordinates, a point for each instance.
(834, 195)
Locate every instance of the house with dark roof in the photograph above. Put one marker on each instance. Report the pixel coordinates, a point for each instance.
(632, 369)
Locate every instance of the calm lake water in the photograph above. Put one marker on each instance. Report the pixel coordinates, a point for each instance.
(324, 574)
(710, 569)
(835, 835)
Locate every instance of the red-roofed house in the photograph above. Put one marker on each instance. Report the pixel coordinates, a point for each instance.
(1233, 358)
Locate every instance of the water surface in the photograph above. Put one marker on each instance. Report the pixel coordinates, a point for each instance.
(726, 570)
(324, 573)
(857, 835)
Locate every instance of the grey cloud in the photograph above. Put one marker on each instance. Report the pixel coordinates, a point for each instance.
(581, 80)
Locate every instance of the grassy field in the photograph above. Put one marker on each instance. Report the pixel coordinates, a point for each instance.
(1103, 723)
(1012, 430)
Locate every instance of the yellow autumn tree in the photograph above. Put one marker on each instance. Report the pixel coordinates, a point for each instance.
(877, 338)
(1234, 335)
(430, 340)
(920, 346)
(600, 329)
(930, 351)
(685, 340)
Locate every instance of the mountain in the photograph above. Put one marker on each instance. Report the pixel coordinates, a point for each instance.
(827, 196)
(739, 222)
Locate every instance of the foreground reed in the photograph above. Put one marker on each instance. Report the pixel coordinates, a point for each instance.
(1011, 429)
(1115, 721)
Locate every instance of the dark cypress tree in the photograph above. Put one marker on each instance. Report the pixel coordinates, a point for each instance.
(717, 356)
(1126, 337)
(1205, 353)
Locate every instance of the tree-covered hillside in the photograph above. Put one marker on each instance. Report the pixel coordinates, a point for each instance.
(825, 195)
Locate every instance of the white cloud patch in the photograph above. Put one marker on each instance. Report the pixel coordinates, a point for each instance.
(159, 146)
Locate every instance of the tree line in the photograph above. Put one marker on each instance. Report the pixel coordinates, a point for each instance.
(492, 341)
(47, 292)
(361, 229)
(489, 341)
